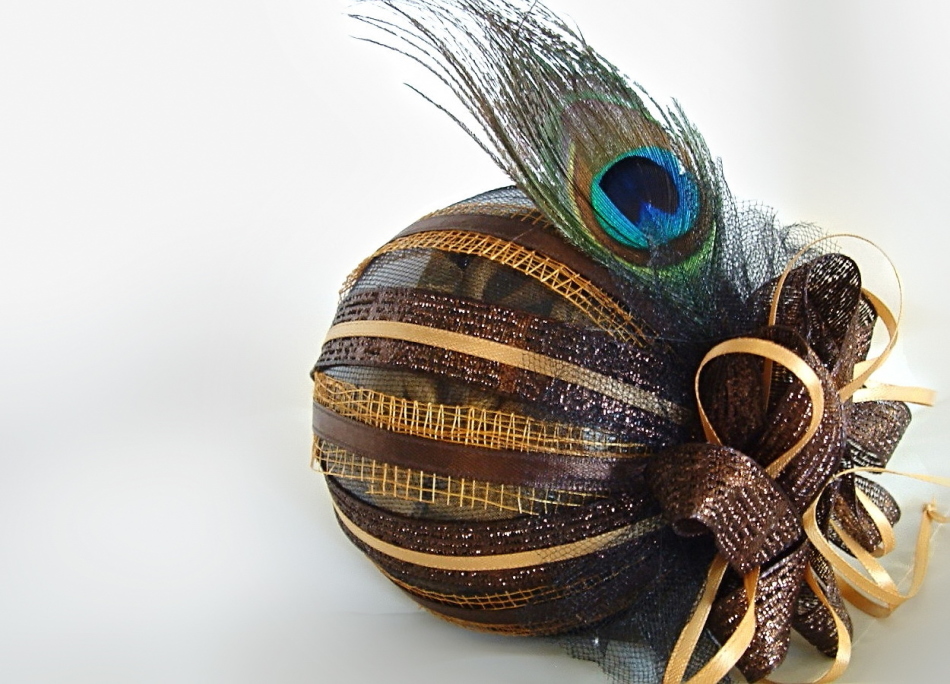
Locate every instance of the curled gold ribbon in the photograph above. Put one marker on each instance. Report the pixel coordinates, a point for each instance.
(730, 653)
(876, 592)
(859, 389)
(735, 647)
(843, 654)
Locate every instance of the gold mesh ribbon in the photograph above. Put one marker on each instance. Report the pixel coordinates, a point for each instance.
(602, 310)
(777, 483)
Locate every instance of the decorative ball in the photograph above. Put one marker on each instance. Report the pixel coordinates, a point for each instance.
(483, 404)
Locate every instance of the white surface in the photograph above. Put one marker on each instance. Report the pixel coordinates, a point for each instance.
(183, 187)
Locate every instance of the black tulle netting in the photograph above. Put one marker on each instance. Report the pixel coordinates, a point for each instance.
(505, 407)
(656, 575)
(634, 647)
(751, 249)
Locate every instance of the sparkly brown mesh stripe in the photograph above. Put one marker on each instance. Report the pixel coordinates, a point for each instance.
(506, 381)
(593, 349)
(552, 398)
(549, 597)
(494, 537)
(531, 469)
(514, 598)
(502, 588)
(580, 603)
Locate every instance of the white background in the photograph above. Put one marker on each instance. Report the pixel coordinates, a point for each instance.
(183, 187)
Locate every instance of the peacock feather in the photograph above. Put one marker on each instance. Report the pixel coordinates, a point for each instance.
(627, 181)
(537, 418)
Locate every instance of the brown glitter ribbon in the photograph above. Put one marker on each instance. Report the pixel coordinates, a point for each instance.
(757, 485)
(789, 418)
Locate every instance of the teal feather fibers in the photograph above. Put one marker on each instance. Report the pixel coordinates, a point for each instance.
(561, 120)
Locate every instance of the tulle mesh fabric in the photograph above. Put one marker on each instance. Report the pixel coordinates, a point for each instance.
(505, 406)
(449, 452)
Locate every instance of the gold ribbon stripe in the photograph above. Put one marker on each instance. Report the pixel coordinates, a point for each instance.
(565, 282)
(877, 594)
(504, 561)
(513, 356)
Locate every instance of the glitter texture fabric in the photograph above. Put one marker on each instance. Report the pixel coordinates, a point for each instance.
(513, 438)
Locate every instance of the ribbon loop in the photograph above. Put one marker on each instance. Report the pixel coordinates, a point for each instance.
(706, 487)
(776, 596)
(743, 499)
(774, 447)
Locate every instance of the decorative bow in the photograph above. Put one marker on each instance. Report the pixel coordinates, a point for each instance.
(777, 477)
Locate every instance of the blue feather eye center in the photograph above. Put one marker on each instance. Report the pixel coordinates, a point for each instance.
(645, 198)
(634, 182)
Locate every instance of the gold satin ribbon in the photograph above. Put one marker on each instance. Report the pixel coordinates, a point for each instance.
(513, 356)
(503, 561)
(843, 654)
(883, 525)
(732, 651)
(874, 591)
(861, 389)
(855, 587)
(867, 368)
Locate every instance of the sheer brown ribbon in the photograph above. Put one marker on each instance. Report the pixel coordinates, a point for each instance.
(764, 494)
(790, 419)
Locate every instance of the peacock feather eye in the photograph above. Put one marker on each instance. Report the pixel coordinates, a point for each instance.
(645, 198)
(508, 405)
